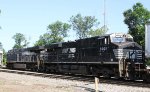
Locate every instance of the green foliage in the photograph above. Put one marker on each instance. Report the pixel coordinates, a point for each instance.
(98, 31)
(147, 61)
(4, 57)
(57, 32)
(82, 25)
(4, 54)
(43, 40)
(20, 41)
(136, 18)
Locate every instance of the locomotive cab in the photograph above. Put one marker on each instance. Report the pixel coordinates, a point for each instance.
(119, 38)
(129, 55)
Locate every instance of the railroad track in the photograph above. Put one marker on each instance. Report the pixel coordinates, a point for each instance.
(52, 75)
(87, 79)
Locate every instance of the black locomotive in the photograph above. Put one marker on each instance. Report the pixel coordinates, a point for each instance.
(111, 55)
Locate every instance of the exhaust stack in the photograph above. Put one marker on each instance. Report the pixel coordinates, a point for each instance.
(147, 40)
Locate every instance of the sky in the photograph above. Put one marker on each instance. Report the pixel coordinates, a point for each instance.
(31, 17)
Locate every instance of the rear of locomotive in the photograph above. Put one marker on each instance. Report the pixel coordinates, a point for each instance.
(130, 56)
(21, 59)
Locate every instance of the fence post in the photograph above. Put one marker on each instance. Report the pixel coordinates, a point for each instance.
(96, 84)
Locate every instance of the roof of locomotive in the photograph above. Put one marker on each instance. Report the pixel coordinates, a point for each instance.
(35, 48)
(60, 45)
(55, 45)
(70, 43)
(106, 35)
(101, 36)
(17, 50)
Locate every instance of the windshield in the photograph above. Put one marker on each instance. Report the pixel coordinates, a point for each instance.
(118, 39)
(129, 39)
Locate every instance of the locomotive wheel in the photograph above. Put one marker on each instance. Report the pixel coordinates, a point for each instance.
(146, 78)
(33, 69)
(106, 74)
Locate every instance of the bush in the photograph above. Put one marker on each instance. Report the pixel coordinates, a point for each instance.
(148, 61)
(4, 57)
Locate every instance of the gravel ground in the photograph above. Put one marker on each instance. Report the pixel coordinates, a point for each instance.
(10, 82)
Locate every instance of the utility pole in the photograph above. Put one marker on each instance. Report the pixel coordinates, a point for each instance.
(104, 15)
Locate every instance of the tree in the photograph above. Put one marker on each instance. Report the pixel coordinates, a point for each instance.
(4, 57)
(4, 54)
(82, 25)
(20, 41)
(43, 40)
(136, 18)
(98, 31)
(57, 32)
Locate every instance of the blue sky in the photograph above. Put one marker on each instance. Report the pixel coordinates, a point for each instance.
(31, 17)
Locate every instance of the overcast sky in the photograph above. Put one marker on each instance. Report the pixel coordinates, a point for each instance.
(31, 17)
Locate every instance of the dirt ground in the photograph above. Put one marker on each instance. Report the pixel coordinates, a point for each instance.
(24, 83)
(10, 82)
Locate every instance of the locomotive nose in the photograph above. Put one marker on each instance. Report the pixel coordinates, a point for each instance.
(130, 50)
(129, 45)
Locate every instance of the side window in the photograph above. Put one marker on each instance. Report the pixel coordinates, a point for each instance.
(105, 40)
(108, 40)
(101, 41)
(69, 50)
(72, 50)
(65, 50)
